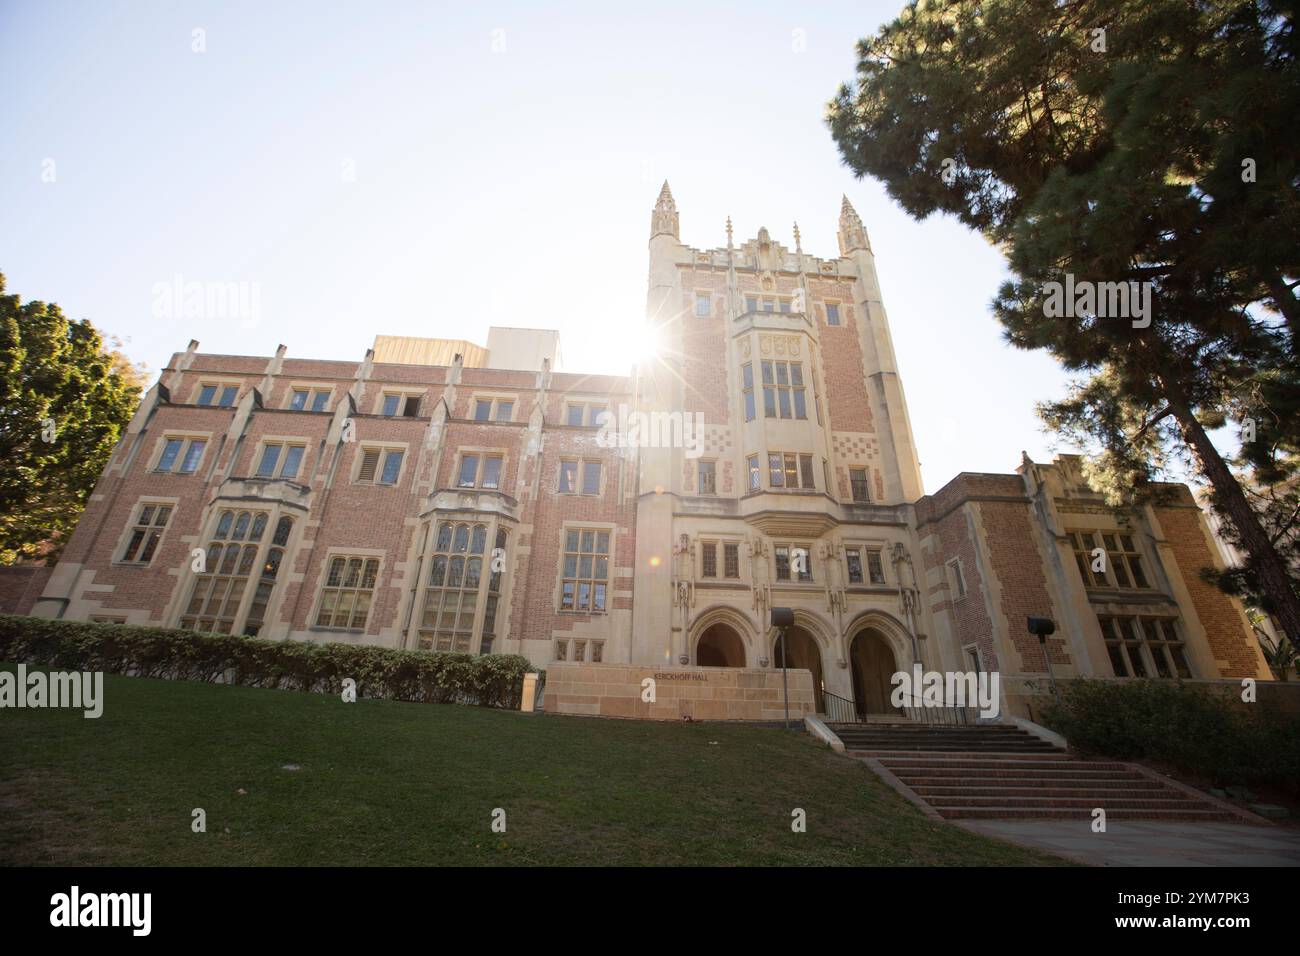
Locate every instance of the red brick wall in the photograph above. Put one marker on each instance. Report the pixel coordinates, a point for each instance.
(1231, 644)
(1018, 567)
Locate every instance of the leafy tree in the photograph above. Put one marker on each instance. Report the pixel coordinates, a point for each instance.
(64, 401)
(1149, 142)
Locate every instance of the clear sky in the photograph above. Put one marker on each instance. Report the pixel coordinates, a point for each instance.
(435, 168)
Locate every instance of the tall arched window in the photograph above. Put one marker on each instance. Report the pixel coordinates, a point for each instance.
(494, 593)
(219, 589)
(232, 555)
(455, 578)
(266, 583)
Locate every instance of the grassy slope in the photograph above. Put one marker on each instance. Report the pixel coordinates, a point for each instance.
(391, 783)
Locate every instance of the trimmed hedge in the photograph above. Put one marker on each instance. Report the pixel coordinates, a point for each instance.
(1204, 730)
(488, 680)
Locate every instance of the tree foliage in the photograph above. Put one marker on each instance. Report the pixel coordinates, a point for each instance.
(1150, 142)
(64, 401)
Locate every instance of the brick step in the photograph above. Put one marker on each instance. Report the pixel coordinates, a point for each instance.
(1015, 758)
(997, 778)
(974, 736)
(1010, 764)
(1120, 791)
(910, 732)
(946, 747)
(1162, 801)
(933, 728)
(1079, 813)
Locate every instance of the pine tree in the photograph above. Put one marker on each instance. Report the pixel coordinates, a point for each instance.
(1150, 142)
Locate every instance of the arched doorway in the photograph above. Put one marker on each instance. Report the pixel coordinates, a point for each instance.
(720, 646)
(804, 654)
(872, 663)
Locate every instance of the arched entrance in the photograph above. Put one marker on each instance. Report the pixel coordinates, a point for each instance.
(804, 654)
(872, 663)
(720, 646)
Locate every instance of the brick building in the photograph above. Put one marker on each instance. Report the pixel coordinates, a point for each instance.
(765, 458)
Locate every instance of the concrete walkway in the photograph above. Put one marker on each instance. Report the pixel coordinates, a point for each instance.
(1150, 842)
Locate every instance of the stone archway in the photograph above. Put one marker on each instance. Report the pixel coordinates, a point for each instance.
(805, 654)
(720, 646)
(872, 664)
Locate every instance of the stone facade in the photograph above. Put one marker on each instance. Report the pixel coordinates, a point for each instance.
(471, 507)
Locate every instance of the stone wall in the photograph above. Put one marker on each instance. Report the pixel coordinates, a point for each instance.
(700, 693)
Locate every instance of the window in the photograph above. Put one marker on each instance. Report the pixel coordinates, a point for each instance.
(708, 474)
(783, 390)
(731, 560)
(455, 581)
(370, 462)
(468, 476)
(703, 305)
(479, 471)
(779, 303)
(1119, 567)
(314, 399)
(597, 651)
(172, 450)
(223, 396)
(280, 461)
(832, 313)
(858, 483)
(586, 570)
(1144, 647)
(266, 581)
(494, 409)
(146, 532)
(494, 596)
(853, 558)
(561, 650)
(569, 470)
(755, 473)
(583, 414)
(875, 567)
(956, 579)
(788, 470)
(391, 404)
(228, 564)
(787, 556)
(751, 303)
(747, 389)
(708, 560)
(348, 590)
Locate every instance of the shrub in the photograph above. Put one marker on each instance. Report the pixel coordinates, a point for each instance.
(489, 680)
(1205, 730)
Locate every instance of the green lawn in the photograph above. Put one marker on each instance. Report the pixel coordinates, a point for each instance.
(382, 782)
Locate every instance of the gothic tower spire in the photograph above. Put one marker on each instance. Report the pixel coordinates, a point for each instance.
(663, 221)
(852, 234)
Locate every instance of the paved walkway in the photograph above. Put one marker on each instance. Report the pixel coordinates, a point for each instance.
(1149, 842)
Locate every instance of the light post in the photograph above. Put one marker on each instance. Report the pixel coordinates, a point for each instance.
(1042, 628)
(783, 617)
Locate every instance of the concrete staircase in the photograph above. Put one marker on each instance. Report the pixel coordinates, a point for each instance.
(999, 771)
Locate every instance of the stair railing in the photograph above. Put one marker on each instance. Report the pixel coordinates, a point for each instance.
(841, 710)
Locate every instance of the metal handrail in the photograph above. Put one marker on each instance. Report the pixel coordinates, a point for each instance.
(840, 710)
